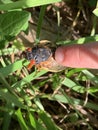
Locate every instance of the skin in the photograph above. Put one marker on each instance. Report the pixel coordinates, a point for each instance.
(78, 56)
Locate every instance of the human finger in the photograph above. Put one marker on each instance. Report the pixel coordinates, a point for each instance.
(78, 56)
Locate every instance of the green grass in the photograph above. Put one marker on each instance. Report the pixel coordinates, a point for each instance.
(40, 100)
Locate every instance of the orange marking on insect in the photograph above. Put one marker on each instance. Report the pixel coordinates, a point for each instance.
(32, 62)
(29, 49)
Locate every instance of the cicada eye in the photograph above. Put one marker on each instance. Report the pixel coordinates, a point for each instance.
(29, 56)
(36, 58)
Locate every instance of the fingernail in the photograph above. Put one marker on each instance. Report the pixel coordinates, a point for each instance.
(59, 55)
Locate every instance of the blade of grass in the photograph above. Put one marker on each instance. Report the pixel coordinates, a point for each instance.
(80, 40)
(12, 68)
(90, 76)
(2, 62)
(38, 103)
(20, 84)
(21, 120)
(7, 116)
(64, 98)
(93, 90)
(35, 123)
(8, 51)
(48, 121)
(93, 31)
(6, 84)
(5, 94)
(41, 15)
(32, 120)
(72, 85)
(73, 71)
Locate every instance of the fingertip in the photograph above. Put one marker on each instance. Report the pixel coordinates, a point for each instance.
(59, 55)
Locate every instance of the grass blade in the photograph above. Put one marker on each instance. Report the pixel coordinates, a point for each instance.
(28, 78)
(42, 12)
(21, 120)
(47, 121)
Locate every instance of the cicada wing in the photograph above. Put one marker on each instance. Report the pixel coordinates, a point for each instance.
(51, 65)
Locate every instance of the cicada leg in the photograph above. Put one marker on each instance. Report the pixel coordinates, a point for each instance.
(31, 64)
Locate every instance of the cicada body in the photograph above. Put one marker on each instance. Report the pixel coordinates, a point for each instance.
(43, 58)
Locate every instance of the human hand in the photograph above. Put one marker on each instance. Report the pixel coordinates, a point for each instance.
(78, 56)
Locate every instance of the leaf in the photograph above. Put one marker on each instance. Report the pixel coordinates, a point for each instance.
(26, 4)
(11, 23)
